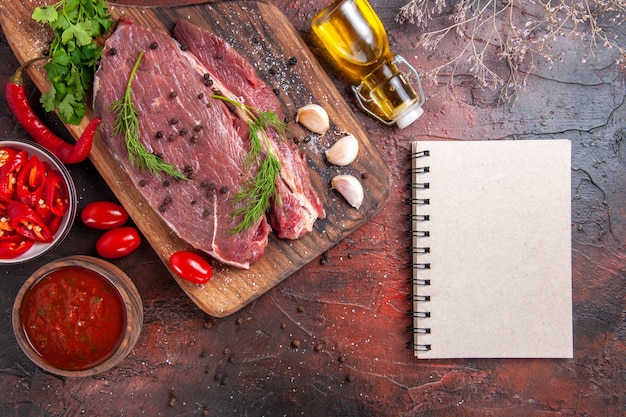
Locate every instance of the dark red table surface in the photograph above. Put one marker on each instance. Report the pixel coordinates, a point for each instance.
(331, 339)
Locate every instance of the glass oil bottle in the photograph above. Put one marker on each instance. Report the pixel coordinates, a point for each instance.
(357, 41)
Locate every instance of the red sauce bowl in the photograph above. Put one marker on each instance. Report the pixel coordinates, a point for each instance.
(77, 316)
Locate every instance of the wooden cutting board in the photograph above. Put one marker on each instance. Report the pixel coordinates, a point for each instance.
(261, 33)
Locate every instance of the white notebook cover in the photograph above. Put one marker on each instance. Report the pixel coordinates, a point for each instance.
(497, 255)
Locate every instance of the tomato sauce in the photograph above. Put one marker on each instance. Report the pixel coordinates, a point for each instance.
(73, 318)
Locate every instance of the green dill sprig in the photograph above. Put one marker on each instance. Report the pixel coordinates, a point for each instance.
(258, 193)
(127, 125)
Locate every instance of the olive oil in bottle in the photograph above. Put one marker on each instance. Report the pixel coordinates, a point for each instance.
(357, 41)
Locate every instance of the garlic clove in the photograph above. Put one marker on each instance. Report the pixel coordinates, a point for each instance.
(344, 151)
(314, 118)
(350, 188)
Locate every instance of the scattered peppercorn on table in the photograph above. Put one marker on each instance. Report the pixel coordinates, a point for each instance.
(330, 338)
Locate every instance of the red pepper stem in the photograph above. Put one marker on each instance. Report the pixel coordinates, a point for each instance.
(17, 77)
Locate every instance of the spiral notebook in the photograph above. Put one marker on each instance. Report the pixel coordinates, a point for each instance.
(491, 248)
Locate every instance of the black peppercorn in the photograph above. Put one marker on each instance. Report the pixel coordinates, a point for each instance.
(159, 134)
(173, 120)
(292, 61)
(112, 51)
(224, 189)
(154, 45)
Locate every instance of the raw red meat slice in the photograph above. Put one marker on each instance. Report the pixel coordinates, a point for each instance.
(300, 205)
(199, 135)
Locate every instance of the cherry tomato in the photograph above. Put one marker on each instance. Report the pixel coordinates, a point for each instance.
(104, 215)
(118, 242)
(191, 267)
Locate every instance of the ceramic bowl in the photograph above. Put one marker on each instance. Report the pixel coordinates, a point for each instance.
(40, 249)
(77, 316)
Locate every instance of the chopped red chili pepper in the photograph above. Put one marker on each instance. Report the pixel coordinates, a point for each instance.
(55, 193)
(43, 209)
(54, 222)
(9, 173)
(28, 223)
(6, 155)
(12, 248)
(19, 105)
(7, 231)
(30, 181)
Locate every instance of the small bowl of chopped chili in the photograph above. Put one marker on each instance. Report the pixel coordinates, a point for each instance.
(38, 201)
(77, 316)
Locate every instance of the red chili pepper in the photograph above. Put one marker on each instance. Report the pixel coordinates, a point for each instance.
(6, 155)
(28, 223)
(54, 222)
(30, 181)
(12, 248)
(55, 193)
(7, 231)
(9, 173)
(19, 105)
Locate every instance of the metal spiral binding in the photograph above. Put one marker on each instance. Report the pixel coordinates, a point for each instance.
(418, 347)
(417, 232)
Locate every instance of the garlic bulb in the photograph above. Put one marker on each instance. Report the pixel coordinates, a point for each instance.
(344, 151)
(314, 118)
(350, 188)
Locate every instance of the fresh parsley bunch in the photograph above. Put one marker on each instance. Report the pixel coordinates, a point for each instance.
(74, 53)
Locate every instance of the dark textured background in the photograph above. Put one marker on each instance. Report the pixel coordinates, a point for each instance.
(348, 310)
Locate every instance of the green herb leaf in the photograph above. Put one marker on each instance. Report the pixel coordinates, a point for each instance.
(127, 125)
(76, 24)
(258, 194)
(45, 14)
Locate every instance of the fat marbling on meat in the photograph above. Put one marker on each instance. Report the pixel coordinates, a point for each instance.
(201, 136)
